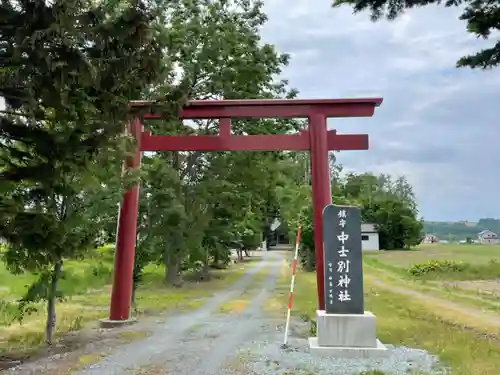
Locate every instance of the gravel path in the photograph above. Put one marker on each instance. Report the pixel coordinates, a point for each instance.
(179, 342)
(209, 342)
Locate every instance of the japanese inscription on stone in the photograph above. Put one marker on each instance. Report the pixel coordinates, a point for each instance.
(343, 260)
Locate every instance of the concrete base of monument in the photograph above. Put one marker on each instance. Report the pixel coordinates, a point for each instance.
(107, 323)
(346, 335)
(345, 351)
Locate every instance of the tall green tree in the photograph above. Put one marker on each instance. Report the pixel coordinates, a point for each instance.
(482, 18)
(396, 224)
(68, 70)
(216, 49)
(384, 201)
(388, 203)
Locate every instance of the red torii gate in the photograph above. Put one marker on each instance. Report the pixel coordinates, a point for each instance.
(317, 139)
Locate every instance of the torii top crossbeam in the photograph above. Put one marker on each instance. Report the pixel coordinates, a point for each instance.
(268, 108)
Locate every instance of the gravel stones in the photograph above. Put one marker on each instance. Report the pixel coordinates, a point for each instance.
(267, 358)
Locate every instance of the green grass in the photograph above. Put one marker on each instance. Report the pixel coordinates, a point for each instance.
(452, 270)
(403, 320)
(78, 277)
(238, 304)
(450, 292)
(478, 268)
(441, 269)
(86, 286)
(473, 254)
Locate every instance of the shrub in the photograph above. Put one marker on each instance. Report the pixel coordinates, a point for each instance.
(437, 267)
(99, 271)
(104, 253)
(11, 312)
(8, 313)
(457, 270)
(306, 250)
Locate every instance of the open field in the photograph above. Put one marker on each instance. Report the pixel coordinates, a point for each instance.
(456, 323)
(86, 286)
(477, 254)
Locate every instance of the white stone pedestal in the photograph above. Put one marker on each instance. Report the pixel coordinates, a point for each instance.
(346, 335)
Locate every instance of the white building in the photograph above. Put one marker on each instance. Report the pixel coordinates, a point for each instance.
(488, 237)
(430, 238)
(369, 237)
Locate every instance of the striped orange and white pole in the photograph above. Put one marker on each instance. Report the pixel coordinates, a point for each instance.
(290, 298)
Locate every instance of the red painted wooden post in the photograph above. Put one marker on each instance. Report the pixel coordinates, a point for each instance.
(125, 238)
(225, 127)
(321, 191)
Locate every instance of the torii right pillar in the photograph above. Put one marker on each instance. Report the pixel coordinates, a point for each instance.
(321, 192)
(343, 327)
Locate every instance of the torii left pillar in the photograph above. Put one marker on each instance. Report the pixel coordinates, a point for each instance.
(119, 313)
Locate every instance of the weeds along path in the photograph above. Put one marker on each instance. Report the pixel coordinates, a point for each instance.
(198, 342)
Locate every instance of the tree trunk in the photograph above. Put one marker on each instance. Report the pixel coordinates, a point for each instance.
(216, 257)
(239, 252)
(205, 272)
(132, 300)
(51, 303)
(172, 263)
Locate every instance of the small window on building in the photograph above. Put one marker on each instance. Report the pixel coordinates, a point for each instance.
(364, 237)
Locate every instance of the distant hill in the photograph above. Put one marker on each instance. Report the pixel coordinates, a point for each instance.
(460, 230)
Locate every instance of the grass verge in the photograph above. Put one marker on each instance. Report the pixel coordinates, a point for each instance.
(450, 291)
(88, 293)
(402, 320)
(239, 304)
(276, 305)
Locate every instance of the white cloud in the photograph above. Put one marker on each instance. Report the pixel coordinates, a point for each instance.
(438, 125)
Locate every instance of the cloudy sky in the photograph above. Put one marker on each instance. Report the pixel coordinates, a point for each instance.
(438, 125)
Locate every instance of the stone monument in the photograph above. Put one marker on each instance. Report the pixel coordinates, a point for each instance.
(344, 328)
